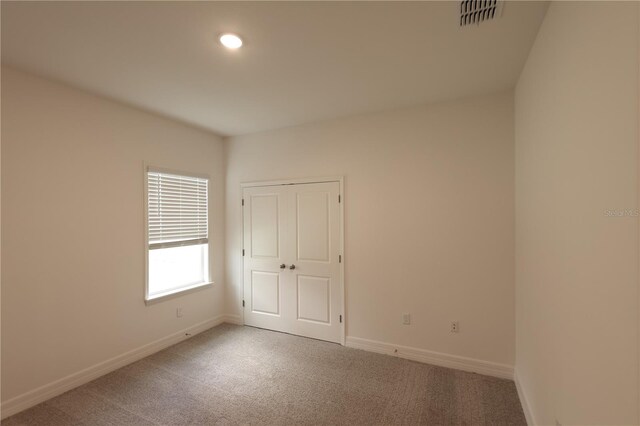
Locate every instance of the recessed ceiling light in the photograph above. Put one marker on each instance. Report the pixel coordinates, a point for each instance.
(230, 41)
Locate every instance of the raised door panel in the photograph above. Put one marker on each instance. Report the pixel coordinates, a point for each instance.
(264, 226)
(313, 226)
(265, 292)
(314, 299)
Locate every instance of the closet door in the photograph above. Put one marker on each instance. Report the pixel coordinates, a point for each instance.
(314, 227)
(266, 249)
(291, 263)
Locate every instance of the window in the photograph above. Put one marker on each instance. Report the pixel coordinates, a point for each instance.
(177, 233)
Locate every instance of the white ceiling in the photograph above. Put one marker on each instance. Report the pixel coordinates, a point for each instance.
(302, 62)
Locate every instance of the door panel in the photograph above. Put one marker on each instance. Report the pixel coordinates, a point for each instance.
(265, 292)
(314, 301)
(265, 240)
(312, 214)
(297, 226)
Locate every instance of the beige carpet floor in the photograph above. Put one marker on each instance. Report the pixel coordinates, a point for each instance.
(242, 375)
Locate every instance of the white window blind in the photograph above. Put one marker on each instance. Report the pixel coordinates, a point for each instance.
(177, 210)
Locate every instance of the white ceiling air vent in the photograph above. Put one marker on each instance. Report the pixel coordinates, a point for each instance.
(476, 11)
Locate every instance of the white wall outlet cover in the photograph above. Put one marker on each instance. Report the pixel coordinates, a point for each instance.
(455, 326)
(406, 319)
(179, 313)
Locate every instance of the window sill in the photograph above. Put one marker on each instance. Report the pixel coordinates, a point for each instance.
(176, 293)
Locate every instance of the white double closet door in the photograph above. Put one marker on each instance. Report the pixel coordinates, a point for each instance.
(292, 269)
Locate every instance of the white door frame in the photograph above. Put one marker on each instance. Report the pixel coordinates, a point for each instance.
(297, 181)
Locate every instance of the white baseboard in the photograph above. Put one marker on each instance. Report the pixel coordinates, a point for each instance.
(50, 390)
(233, 319)
(435, 358)
(528, 414)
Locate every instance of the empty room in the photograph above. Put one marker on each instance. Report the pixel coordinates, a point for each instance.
(320, 213)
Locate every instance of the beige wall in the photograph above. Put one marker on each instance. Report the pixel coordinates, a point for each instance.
(72, 229)
(429, 219)
(577, 267)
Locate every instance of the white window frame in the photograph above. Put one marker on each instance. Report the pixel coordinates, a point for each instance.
(183, 290)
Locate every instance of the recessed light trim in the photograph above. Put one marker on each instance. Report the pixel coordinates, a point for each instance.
(231, 41)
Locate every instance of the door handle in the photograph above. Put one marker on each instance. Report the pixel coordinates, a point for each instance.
(292, 267)
(283, 266)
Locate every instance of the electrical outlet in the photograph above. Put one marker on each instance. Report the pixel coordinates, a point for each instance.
(455, 327)
(406, 319)
(179, 313)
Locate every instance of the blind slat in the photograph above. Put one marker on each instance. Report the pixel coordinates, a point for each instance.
(177, 208)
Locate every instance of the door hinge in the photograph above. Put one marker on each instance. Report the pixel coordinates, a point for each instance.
(339, 198)
(243, 252)
(340, 318)
(243, 303)
(339, 258)
(243, 201)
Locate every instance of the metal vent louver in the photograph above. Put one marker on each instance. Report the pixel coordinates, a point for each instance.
(476, 11)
